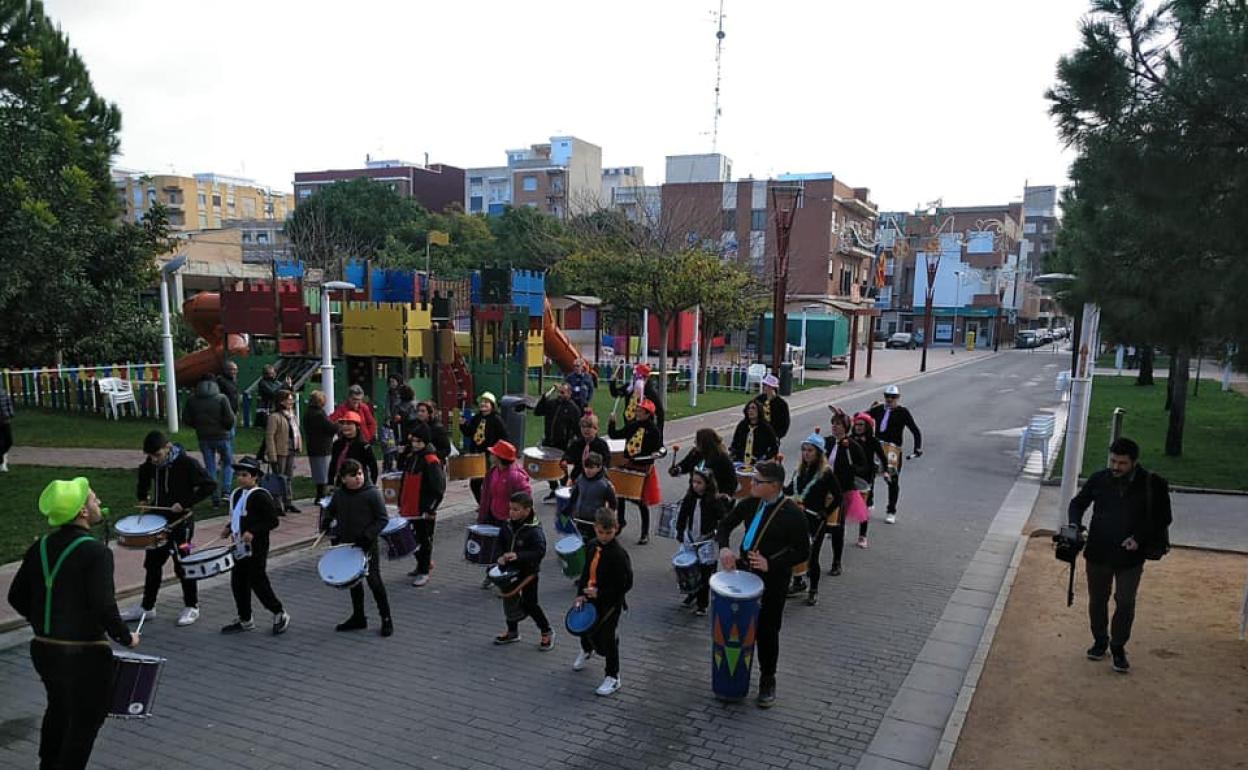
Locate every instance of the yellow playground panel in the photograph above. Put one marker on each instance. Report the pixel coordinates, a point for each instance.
(386, 329)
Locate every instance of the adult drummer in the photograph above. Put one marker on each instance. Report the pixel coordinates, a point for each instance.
(562, 425)
(642, 439)
(69, 650)
(772, 408)
(172, 482)
(776, 539)
(891, 419)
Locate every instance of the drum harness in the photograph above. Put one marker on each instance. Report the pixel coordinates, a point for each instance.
(49, 576)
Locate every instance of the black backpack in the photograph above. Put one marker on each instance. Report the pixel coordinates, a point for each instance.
(1158, 543)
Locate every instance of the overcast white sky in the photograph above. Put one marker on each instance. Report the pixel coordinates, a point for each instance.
(916, 99)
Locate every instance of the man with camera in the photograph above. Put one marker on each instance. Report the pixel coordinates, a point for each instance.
(1130, 517)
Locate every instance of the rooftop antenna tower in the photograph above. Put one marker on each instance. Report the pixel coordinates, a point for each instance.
(719, 53)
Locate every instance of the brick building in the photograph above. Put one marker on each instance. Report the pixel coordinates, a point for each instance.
(434, 186)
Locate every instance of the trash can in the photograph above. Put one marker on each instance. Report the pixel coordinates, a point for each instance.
(512, 410)
(786, 378)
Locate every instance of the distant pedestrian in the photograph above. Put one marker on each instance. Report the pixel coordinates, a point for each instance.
(319, 433)
(208, 413)
(773, 409)
(581, 381)
(266, 392)
(6, 427)
(227, 381)
(355, 403)
(283, 441)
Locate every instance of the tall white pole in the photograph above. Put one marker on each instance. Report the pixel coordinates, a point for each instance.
(166, 338)
(1077, 413)
(644, 353)
(327, 356)
(694, 350)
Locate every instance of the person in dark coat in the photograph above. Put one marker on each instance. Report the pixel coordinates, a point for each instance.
(359, 510)
(266, 393)
(581, 447)
(708, 449)
(816, 491)
(871, 456)
(484, 430)
(643, 439)
(846, 458)
(439, 437)
(582, 382)
(776, 539)
(1130, 518)
(208, 413)
(698, 520)
(227, 381)
(605, 582)
(562, 417)
(773, 409)
(641, 388)
(524, 546)
(253, 515)
(891, 419)
(423, 472)
(69, 650)
(350, 445)
(754, 440)
(319, 433)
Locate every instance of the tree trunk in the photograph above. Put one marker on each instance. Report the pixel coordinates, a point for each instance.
(1180, 362)
(1145, 361)
(1170, 379)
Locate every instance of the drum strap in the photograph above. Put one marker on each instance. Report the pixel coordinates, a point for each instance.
(50, 576)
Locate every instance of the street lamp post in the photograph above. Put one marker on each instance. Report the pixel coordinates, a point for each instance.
(932, 257)
(166, 338)
(957, 302)
(996, 334)
(327, 341)
(785, 200)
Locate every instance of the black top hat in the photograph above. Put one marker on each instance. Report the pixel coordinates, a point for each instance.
(248, 464)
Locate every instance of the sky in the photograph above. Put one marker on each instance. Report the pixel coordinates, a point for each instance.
(914, 99)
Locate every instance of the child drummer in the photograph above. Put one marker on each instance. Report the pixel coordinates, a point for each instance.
(524, 545)
(420, 494)
(698, 520)
(604, 582)
(360, 511)
(592, 491)
(253, 515)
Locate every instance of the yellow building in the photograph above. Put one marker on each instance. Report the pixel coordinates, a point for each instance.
(201, 202)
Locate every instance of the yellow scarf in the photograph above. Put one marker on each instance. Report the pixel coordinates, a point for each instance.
(767, 410)
(478, 438)
(634, 443)
(749, 449)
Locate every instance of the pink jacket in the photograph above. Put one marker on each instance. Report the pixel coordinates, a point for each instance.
(500, 484)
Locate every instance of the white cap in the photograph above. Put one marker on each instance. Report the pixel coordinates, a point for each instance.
(892, 390)
(771, 381)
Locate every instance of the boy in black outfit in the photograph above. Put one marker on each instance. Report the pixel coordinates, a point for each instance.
(420, 494)
(524, 545)
(360, 511)
(607, 577)
(253, 515)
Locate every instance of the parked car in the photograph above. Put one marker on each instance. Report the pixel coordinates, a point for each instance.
(880, 336)
(902, 340)
(1027, 339)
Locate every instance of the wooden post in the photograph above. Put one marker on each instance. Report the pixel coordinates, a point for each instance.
(871, 324)
(853, 345)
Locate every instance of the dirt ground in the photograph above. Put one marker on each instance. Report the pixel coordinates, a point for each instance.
(1041, 704)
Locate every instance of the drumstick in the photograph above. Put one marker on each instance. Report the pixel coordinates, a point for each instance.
(616, 405)
(142, 620)
(675, 452)
(316, 542)
(153, 508)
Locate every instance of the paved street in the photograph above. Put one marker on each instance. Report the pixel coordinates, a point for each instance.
(439, 694)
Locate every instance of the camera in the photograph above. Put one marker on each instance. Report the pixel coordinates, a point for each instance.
(1068, 542)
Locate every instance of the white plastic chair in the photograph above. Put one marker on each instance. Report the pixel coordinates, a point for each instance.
(1036, 437)
(1062, 384)
(754, 376)
(118, 393)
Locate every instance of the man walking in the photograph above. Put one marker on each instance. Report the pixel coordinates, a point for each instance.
(1130, 515)
(208, 413)
(892, 420)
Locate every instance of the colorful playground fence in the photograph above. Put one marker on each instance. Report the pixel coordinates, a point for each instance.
(77, 388)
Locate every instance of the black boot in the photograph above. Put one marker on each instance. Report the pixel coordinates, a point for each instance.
(353, 623)
(387, 627)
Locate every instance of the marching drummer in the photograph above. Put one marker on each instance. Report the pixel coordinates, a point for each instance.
(483, 431)
(524, 545)
(700, 512)
(642, 439)
(253, 515)
(420, 494)
(360, 511)
(891, 419)
(505, 478)
(69, 651)
(816, 491)
(589, 441)
(773, 409)
(776, 539)
(592, 490)
(562, 417)
(754, 440)
(172, 482)
(640, 389)
(871, 451)
(605, 581)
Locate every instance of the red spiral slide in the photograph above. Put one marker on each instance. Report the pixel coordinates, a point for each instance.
(203, 313)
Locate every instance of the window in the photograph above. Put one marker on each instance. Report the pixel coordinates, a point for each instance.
(305, 193)
(216, 200)
(173, 198)
(203, 221)
(203, 199)
(262, 237)
(475, 203)
(246, 236)
(847, 281)
(730, 219)
(758, 220)
(530, 184)
(476, 180)
(556, 184)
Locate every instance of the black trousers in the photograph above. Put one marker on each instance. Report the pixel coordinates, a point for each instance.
(154, 568)
(78, 680)
(770, 616)
(604, 639)
(862, 526)
(894, 491)
(645, 515)
(6, 439)
(423, 528)
(837, 536)
(375, 585)
(251, 575)
(475, 485)
(1124, 583)
(531, 607)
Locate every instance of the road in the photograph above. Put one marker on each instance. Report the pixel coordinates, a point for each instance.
(439, 694)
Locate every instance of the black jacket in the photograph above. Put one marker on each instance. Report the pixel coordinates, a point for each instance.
(495, 431)
(898, 421)
(776, 414)
(527, 540)
(428, 466)
(573, 454)
(869, 450)
(439, 438)
(1121, 508)
(208, 412)
(845, 462)
(651, 391)
(720, 466)
(267, 390)
(319, 433)
(180, 480)
(83, 607)
(783, 538)
(713, 509)
(817, 494)
(262, 513)
(356, 450)
(361, 515)
(641, 439)
(229, 388)
(614, 578)
(562, 421)
(765, 444)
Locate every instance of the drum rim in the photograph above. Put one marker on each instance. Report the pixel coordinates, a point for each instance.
(691, 554)
(734, 575)
(496, 571)
(117, 524)
(545, 453)
(586, 608)
(200, 556)
(391, 527)
(580, 543)
(560, 492)
(481, 528)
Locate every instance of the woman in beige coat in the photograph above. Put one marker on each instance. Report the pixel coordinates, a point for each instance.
(282, 441)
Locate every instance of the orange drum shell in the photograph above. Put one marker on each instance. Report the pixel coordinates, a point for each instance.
(543, 468)
(469, 466)
(629, 485)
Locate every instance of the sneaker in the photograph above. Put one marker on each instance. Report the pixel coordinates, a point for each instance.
(797, 588)
(689, 600)
(862, 543)
(136, 613)
(644, 539)
(766, 692)
(609, 686)
(548, 642)
(582, 658)
(281, 621)
(700, 612)
(812, 598)
(550, 497)
(836, 570)
(1097, 650)
(507, 638)
(4, 466)
(890, 518)
(1120, 660)
(420, 580)
(188, 616)
(239, 626)
(387, 627)
(415, 571)
(353, 623)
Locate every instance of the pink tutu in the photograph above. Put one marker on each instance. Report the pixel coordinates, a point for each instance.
(855, 507)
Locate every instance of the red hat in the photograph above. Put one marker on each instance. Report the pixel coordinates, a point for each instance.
(642, 370)
(868, 419)
(504, 450)
(646, 404)
(350, 416)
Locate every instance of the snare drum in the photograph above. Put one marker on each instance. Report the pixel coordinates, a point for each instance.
(207, 563)
(542, 463)
(745, 480)
(667, 520)
(892, 454)
(391, 483)
(571, 553)
(707, 551)
(629, 485)
(241, 549)
(133, 689)
(147, 530)
(505, 580)
(563, 510)
(469, 466)
(688, 571)
(399, 537)
(343, 566)
(616, 447)
(481, 543)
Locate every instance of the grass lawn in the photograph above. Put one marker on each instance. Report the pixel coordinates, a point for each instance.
(1215, 433)
(48, 427)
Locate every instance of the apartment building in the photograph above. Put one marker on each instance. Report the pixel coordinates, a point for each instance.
(434, 186)
(561, 177)
(200, 202)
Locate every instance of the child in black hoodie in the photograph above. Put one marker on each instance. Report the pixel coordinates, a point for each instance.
(698, 520)
(420, 494)
(524, 545)
(360, 511)
(605, 580)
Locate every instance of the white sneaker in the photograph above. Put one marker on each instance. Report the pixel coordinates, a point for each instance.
(608, 686)
(582, 658)
(420, 580)
(862, 543)
(136, 613)
(890, 518)
(4, 466)
(188, 616)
